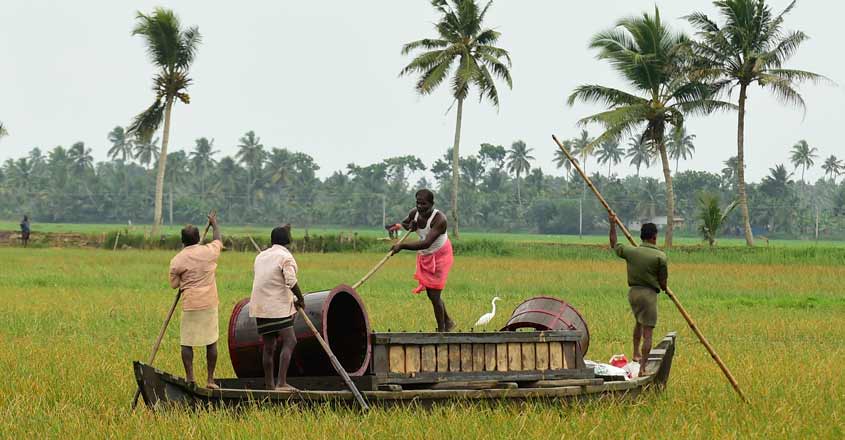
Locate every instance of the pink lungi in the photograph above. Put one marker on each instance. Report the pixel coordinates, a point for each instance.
(433, 269)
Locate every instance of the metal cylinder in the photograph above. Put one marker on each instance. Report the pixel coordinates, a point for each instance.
(548, 313)
(338, 314)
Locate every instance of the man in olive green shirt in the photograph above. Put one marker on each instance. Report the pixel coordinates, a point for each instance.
(647, 275)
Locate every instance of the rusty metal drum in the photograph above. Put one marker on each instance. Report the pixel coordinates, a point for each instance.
(338, 314)
(548, 313)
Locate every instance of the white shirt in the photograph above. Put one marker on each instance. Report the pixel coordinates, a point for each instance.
(423, 233)
(275, 274)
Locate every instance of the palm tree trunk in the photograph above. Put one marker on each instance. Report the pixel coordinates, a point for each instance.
(518, 194)
(162, 163)
(456, 168)
(740, 165)
(670, 193)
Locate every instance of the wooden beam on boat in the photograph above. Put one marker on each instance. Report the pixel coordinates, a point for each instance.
(473, 385)
(474, 376)
(555, 383)
(476, 338)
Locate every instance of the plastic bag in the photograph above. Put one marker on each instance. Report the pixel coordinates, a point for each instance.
(606, 369)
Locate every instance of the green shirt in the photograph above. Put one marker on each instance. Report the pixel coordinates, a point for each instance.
(646, 264)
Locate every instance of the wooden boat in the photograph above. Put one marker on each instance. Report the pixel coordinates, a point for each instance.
(466, 374)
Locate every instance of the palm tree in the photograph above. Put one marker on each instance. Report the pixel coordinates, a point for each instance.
(583, 147)
(750, 47)
(252, 155)
(3, 131)
(802, 156)
(640, 153)
(663, 93)
(175, 176)
(680, 145)
(202, 160)
(832, 167)
(147, 152)
(122, 145)
(81, 165)
(519, 161)
(560, 159)
(461, 40)
(712, 216)
(171, 49)
(609, 153)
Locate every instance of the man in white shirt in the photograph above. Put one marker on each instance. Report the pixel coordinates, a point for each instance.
(273, 306)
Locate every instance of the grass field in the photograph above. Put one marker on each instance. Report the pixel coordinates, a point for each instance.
(73, 320)
(261, 230)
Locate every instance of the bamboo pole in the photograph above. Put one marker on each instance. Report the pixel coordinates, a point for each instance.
(116, 239)
(669, 292)
(379, 264)
(254, 244)
(161, 332)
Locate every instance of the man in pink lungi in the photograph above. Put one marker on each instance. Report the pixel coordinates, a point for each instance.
(434, 253)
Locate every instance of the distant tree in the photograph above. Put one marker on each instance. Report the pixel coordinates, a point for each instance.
(776, 184)
(202, 160)
(147, 152)
(640, 153)
(832, 167)
(472, 171)
(172, 50)
(122, 145)
(802, 155)
(680, 145)
(3, 131)
(712, 217)
(81, 165)
(519, 162)
(583, 147)
(610, 153)
(492, 155)
(750, 47)
(176, 176)
(560, 159)
(461, 40)
(252, 155)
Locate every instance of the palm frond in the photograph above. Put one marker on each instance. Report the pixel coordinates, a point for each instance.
(425, 43)
(147, 122)
(591, 93)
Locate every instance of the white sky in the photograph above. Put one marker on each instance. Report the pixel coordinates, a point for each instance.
(322, 77)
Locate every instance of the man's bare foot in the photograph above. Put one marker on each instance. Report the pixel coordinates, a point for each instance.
(286, 388)
(212, 386)
(450, 325)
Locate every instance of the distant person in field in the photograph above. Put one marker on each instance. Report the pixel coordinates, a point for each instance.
(192, 271)
(648, 273)
(434, 253)
(275, 296)
(25, 230)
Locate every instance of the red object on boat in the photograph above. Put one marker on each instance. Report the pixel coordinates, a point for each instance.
(619, 360)
(549, 313)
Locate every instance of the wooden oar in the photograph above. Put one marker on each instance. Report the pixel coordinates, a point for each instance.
(335, 363)
(380, 263)
(669, 292)
(161, 332)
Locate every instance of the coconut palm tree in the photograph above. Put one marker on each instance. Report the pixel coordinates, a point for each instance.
(610, 153)
(832, 167)
(712, 216)
(680, 145)
(172, 50)
(560, 159)
(750, 47)
(583, 146)
(802, 156)
(147, 152)
(202, 160)
(649, 56)
(81, 165)
(252, 155)
(519, 162)
(176, 175)
(122, 145)
(640, 153)
(461, 41)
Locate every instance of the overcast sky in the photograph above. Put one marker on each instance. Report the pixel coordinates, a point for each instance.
(322, 78)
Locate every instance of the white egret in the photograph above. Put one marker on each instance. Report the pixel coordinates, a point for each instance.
(487, 317)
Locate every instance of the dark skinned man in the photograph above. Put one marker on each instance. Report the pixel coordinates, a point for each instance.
(434, 253)
(193, 272)
(647, 275)
(275, 296)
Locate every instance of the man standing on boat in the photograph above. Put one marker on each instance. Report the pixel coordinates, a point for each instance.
(434, 253)
(273, 306)
(192, 271)
(647, 275)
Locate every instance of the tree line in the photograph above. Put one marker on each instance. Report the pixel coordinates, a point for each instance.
(503, 188)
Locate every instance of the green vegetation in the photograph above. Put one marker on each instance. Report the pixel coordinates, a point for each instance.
(74, 319)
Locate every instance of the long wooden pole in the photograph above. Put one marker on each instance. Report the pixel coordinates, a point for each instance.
(161, 332)
(332, 358)
(669, 292)
(379, 264)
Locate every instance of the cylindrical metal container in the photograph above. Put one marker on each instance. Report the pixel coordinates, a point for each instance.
(338, 314)
(547, 313)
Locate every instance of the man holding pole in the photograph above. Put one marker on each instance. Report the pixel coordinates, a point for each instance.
(434, 253)
(273, 306)
(192, 271)
(647, 276)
